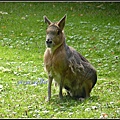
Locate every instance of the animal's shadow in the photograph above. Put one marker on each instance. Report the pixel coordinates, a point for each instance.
(68, 101)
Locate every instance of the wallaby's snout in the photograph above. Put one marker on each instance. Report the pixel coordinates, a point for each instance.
(48, 42)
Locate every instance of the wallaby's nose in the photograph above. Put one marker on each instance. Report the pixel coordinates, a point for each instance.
(48, 41)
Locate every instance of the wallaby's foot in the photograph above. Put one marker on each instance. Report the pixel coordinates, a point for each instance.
(47, 99)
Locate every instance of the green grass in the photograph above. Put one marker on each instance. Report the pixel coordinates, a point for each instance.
(92, 28)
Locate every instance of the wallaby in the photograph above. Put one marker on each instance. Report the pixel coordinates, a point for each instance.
(65, 65)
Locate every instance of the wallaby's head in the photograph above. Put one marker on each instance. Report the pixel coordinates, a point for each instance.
(54, 33)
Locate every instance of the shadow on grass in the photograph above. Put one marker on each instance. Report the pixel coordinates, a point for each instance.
(69, 104)
(69, 101)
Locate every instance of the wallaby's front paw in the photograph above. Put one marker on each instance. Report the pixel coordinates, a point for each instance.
(48, 99)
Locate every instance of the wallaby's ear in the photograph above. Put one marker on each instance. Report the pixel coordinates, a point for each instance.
(47, 20)
(61, 23)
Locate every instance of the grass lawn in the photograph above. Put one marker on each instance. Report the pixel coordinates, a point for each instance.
(92, 28)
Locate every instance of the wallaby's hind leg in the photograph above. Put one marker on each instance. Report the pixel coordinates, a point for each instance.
(88, 86)
(84, 91)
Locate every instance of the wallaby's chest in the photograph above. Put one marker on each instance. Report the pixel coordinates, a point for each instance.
(56, 63)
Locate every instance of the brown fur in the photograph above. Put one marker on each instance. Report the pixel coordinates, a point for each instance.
(65, 65)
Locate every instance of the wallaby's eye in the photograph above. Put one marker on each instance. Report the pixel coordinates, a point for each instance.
(58, 32)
